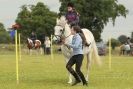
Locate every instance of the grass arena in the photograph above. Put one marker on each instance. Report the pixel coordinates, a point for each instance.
(66, 44)
(42, 72)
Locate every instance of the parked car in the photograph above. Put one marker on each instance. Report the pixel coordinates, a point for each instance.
(101, 48)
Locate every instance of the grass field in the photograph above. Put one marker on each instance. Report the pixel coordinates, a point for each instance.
(40, 72)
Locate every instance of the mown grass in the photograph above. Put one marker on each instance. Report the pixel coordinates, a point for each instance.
(40, 72)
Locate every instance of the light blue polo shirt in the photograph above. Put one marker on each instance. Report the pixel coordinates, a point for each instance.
(76, 45)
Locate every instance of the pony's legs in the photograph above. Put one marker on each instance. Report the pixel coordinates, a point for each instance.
(30, 52)
(70, 77)
(41, 51)
(88, 66)
(37, 51)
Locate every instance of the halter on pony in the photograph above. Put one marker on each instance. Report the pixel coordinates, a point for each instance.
(62, 36)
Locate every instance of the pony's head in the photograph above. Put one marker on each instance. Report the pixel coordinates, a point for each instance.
(29, 41)
(61, 29)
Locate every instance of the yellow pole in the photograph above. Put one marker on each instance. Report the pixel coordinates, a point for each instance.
(110, 59)
(17, 75)
(51, 48)
(19, 47)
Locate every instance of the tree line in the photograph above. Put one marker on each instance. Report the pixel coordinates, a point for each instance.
(94, 15)
(122, 39)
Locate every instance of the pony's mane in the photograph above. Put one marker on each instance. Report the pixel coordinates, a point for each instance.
(61, 21)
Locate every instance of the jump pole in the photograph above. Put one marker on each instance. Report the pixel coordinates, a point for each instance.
(110, 54)
(51, 48)
(19, 36)
(16, 43)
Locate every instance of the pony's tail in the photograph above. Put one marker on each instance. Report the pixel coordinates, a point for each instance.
(95, 55)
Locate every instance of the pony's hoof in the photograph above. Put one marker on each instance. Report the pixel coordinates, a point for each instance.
(87, 80)
(69, 82)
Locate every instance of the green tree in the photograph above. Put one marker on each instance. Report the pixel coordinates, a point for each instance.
(36, 18)
(95, 14)
(122, 39)
(114, 43)
(4, 36)
(132, 37)
(131, 40)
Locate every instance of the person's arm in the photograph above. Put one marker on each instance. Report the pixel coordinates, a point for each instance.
(66, 17)
(77, 19)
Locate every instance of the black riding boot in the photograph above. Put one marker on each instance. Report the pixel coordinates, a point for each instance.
(77, 79)
(82, 78)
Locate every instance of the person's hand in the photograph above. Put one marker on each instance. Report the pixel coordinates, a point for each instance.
(67, 46)
(66, 21)
(63, 41)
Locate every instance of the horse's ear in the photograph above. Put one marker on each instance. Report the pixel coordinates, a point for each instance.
(63, 18)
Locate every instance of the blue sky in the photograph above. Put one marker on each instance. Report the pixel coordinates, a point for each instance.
(10, 8)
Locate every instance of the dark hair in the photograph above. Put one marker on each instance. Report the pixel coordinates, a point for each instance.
(80, 32)
(70, 5)
(77, 29)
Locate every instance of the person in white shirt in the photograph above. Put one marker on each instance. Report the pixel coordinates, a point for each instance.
(127, 49)
(47, 44)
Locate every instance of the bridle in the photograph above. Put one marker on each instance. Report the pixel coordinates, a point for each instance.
(62, 33)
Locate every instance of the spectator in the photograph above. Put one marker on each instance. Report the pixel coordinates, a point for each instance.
(47, 45)
(127, 48)
(122, 49)
(129, 40)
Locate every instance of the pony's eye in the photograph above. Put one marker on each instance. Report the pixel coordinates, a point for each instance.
(61, 30)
